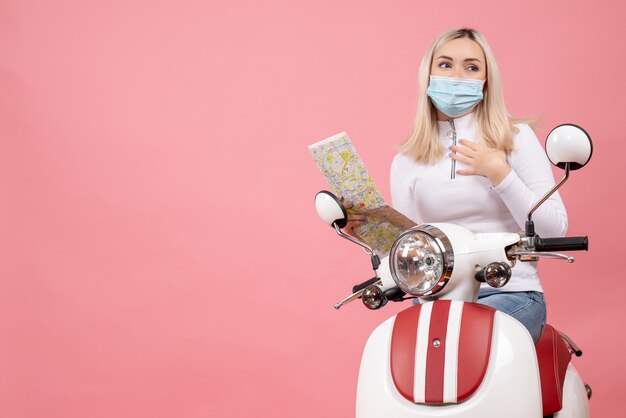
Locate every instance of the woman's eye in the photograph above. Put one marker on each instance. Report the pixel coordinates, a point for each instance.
(444, 65)
(472, 68)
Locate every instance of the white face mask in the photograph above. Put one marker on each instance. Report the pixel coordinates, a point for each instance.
(455, 96)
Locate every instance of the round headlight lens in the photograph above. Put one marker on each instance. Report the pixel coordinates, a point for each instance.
(419, 264)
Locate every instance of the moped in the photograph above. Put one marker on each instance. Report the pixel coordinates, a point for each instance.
(449, 356)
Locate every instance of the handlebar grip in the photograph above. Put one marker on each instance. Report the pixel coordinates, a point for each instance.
(562, 244)
(363, 285)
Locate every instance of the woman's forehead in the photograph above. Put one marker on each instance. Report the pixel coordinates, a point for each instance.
(461, 48)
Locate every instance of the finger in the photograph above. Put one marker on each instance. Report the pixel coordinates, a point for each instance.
(349, 228)
(351, 232)
(467, 172)
(462, 159)
(346, 204)
(462, 150)
(470, 144)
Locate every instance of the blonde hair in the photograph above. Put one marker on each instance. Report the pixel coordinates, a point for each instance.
(495, 125)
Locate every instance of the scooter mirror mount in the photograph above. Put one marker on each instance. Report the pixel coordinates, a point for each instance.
(568, 147)
(332, 211)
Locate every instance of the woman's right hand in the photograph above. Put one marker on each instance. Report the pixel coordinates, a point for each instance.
(354, 220)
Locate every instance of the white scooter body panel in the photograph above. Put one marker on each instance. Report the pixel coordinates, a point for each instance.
(511, 386)
(575, 401)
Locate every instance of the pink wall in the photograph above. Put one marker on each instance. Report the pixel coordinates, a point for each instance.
(160, 255)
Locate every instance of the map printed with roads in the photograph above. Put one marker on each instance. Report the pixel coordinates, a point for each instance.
(347, 176)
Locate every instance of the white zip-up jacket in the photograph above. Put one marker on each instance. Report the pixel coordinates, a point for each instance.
(425, 193)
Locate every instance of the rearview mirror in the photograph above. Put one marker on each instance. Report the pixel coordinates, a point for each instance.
(569, 143)
(330, 209)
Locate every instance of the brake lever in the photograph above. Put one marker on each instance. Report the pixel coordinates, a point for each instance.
(527, 255)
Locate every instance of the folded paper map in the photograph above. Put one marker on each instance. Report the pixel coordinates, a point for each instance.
(347, 176)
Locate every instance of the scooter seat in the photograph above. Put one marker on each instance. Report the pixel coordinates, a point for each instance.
(553, 357)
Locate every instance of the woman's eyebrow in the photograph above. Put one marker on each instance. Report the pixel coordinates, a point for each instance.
(445, 57)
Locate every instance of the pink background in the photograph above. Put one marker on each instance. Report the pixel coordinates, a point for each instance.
(160, 254)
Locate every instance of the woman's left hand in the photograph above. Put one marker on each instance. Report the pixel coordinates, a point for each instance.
(481, 160)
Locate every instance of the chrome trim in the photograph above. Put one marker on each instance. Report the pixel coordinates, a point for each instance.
(526, 242)
(571, 345)
(444, 246)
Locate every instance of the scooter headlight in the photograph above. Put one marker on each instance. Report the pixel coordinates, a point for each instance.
(421, 260)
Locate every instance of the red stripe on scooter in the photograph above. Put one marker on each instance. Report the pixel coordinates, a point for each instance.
(474, 348)
(403, 341)
(436, 356)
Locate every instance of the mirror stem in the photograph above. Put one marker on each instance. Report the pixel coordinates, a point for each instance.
(530, 228)
(342, 234)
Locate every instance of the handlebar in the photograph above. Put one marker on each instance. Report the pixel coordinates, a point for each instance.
(363, 285)
(562, 244)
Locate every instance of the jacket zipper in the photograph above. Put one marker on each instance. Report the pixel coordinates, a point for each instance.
(452, 135)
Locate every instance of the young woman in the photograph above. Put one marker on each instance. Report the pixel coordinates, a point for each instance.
(468, 162)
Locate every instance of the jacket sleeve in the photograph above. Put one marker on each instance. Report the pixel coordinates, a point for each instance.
(529, 180)
(402, 198)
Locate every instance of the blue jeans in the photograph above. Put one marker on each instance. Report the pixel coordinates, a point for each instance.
(527, 307)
